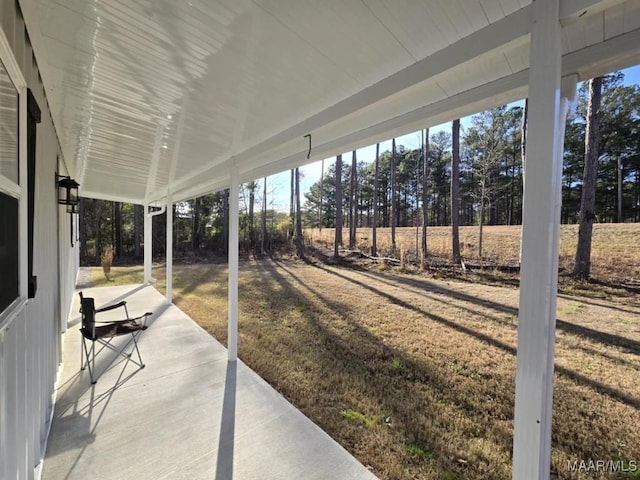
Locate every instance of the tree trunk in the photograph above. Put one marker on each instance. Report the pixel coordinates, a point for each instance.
(111, 221)
(374, 222)
(98, 234)
(620, 187)
(82, 226)
(482, 194)
(455, 190)
(137, 230)
(394, 206)
(291, 205)
(338, 236)
(264, 217)
(195, 227)
(320, 219)
(225, 220)
(118, 228)
(582, 267)
(299, 243)
(425, 193)
(353, 210)
(252, 230)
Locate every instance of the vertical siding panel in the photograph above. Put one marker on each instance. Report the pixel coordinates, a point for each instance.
(11, 400)
(22, 440)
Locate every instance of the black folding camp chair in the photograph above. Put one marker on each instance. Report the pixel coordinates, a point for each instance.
(104, 332)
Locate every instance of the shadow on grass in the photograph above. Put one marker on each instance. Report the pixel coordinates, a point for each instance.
(422, 286)
(415, 398)
(367, 361)
(569, 327)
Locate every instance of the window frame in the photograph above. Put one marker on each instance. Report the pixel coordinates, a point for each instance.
(17, 190)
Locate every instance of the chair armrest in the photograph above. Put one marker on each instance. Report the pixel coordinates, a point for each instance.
(144, 318)
(111, 307)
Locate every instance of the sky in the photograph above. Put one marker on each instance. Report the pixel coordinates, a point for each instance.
(278, 186)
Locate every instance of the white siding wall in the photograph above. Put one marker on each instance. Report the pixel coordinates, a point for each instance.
(30, 346)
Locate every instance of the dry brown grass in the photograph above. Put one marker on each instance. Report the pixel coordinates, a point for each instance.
(415, 376)
(615, 248)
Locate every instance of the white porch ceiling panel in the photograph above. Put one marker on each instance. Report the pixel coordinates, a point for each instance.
(151, 97)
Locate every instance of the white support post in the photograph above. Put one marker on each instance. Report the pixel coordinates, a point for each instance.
(148, 240)
(169, 255)
(232, 340)
(540, 245)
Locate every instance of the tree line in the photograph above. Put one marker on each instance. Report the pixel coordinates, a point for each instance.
(481, 165)
(200, 226)
(491, 171)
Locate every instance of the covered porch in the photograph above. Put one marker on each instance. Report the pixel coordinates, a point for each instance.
(153, 103)
(188, 414)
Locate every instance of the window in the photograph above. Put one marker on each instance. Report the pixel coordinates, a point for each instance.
(10, 192)
(9, 267)
(8, 127)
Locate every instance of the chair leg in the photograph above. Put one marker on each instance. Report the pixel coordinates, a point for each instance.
(135, 343)
(82, 354)
(93, 352)
(89, 359)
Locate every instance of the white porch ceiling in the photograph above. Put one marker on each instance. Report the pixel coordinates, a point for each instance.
(156, 96)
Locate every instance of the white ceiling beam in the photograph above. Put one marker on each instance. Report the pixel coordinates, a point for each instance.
(498, 92)
(110, 198)
(484, 40)
(505, 30)
(478, 43)
(613, 54)
(586, 63)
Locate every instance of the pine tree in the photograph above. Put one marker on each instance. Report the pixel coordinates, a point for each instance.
(455, 190)
(582, 268)
(338, 188)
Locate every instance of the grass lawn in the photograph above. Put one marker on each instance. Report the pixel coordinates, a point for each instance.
(415, 376)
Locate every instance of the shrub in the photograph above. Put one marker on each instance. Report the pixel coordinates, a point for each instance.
(106, 260)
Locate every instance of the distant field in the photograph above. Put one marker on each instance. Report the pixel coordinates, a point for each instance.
(615, 248)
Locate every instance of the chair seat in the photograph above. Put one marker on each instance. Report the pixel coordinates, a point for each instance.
(114, 329)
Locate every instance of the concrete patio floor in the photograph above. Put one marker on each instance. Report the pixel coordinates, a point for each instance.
(188, 415)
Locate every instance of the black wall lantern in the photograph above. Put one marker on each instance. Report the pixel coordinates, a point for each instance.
(73, 208)
(68, 195)
(67, 192)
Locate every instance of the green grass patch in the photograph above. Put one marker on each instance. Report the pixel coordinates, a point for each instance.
(368, 422)
(397, 363)
(572, 308)
(418, 450)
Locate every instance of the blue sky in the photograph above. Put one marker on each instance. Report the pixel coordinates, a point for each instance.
(278, 186)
